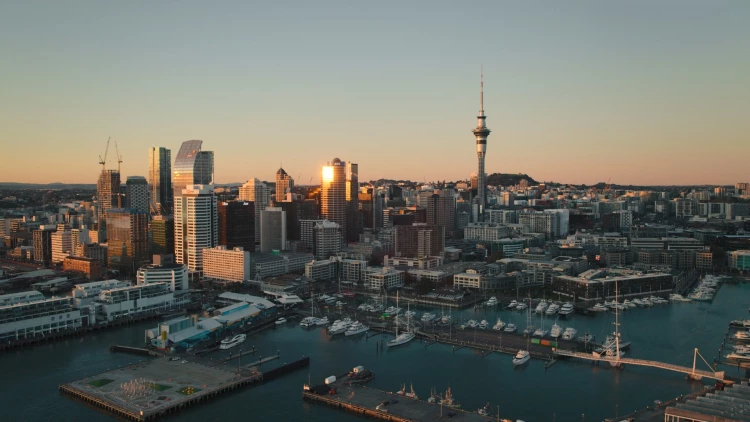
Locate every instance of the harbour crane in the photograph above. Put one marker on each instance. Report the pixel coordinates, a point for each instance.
(103, 161)
(119, 157)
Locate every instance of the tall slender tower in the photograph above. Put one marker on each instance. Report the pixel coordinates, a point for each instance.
(481, 132)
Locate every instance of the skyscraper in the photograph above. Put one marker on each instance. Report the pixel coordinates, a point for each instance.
(326, 239)
(481, 132)
(333, 194)
(257, 192)
(192, 167)
(195, 225)
(162, 235)
(352, 202)
(237, 225)
(160, 179)
(441, 210)
(127, 243)
(136, 193)
(272, 230)
(284, 183)
(42, 239)
(107, 194)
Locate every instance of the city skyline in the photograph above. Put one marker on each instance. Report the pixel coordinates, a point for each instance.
(655, 87)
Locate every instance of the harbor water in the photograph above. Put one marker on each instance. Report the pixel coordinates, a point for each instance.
(568, 391)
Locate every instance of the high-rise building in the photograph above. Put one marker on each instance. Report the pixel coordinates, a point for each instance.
(441, 210)
(272, 230)
(237, 225)
(78, 238)
(162, 235)
(257, 192)
(352, 202)
(136, 193)
(307, 234)
(284, 184)
(160, 179)
(419, 241)
(127, 244)
(61, 246)
(333, 194)
(292, 210)
(195, 225)
(42, 238)
(192, 167)
(481, 132)
(327, 239)
(107, 194)
(366, 205)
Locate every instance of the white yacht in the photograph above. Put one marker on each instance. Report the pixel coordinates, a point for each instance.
(402, 338)
(566, 309)
(513, 304)
(521, 306)
(742, 335)
(569, 333)
(446, 320)
(540, 332)
(228, 343)
(392, 311)
(599, 308)
(674, 297)
(541, 307)
(356, 328)
(628, 303)
(322, 321)
(521, 357)
(308, 322)
(510, 328)
(410, 314)
(492, 301)
(280, 321)
(471, 324)
(553, 308)
(556, 331)
(638, 302)
(339, 328)
(529, 330)
(483, 325)
(428, 317)
(499, 325)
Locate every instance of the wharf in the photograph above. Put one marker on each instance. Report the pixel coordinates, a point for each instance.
(159, 387)
(363, 401)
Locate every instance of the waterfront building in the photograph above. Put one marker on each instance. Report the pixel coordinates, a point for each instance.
(165, 270)
(137, 193)
(322, 270)
(379, 278)
(160, 180)
(352, 270)
(127, 231)
(192, 167)
(89, 267)
(258, 193)
(472, 279)
(183, 332)
(136, 300)
(38, 318)
(284, 184)
(196, 225)
(434, 276)
(333, 194)
(739, 260)
(61, 242)
(237, 224)
(20, 297)
(419, 240)
(85, 293)
(270, 265)
(224, 264)
(273, 230)
(599, 285)
(326, 239)
(161, 237)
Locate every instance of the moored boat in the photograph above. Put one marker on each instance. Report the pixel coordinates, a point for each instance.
(230, 342)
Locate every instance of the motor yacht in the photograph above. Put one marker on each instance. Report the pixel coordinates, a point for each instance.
(521, 306)
(428, 317)
(471, 324)
(556, 331)
(510, 328)
(541, 307)
(529, 330)
(566, 309)
(230, 342)
(322, 321)
(569, 333)
(599, 308)
(674, 297)
(521, 357)
(280, 321)
(499, 325)
(540, 332)
(513, 304)
(628, 303)
(492, 301)
(483, 325)
(308, 322)
(356, 328)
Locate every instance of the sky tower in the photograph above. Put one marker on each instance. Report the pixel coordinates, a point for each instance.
(481, 132)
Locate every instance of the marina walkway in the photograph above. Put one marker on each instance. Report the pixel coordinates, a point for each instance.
(693, 373)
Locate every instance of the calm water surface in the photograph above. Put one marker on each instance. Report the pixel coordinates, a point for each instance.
(563, 392)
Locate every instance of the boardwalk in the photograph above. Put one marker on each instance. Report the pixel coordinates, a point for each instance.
(694, 373)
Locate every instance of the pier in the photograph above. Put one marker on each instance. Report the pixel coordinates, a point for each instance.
(368, 402)
(155, 388)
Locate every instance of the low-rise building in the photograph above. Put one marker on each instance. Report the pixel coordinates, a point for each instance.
(175, 275)
(85, 293)
(322, 270)
(90, 267)
(271, 265)
(383, 278)
(739, 260)
(352, 270)
(599, 285)
(434, 276)
(21, 297)
(136, 300)
(223, 264)
(421, 263)
(38, 318)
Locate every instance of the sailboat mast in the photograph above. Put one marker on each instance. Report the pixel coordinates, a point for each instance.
(617, 321)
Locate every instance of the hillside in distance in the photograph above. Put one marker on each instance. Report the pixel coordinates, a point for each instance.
(507, 179)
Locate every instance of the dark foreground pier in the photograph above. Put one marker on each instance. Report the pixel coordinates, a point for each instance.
(155, 388)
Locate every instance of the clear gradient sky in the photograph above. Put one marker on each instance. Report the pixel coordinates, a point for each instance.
(644, 92)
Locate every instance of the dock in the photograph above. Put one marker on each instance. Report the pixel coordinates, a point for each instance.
(366, 401)
(156, 388)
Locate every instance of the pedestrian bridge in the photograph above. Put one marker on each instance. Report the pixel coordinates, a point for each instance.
(693, 373)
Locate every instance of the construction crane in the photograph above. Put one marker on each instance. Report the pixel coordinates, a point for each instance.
(119, 157)
(103, 161)
(607, 186)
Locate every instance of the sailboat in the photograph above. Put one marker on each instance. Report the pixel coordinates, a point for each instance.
(406, 336)
(615, 353)
(529, 328)
(411, 394)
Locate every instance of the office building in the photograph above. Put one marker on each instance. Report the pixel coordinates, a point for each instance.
(321, 270)
(501, 216)
(127, 245)
(271, 265)
(42, 238)
(352, 270)
(192, 167)
(739, 260)
(237, 224)
(107, 194)
(137, 193)
(488, 232)
(333, 194)
(258, 193)
(383, 278)
(441, 210)
(85, 293)
(160, 180)
(292, 211)
(91, 268)
(62, 247)
(196, 225)
(224, 264)
(38, 318)
(352, 202)
(326, 239)
(161, 237)
(78, 238)
(273, 230)
(165, 270)
(685, 208)
(284, 184)
(419, 240)
(481, 132)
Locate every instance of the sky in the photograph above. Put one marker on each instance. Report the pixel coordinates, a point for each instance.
(636, 92)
